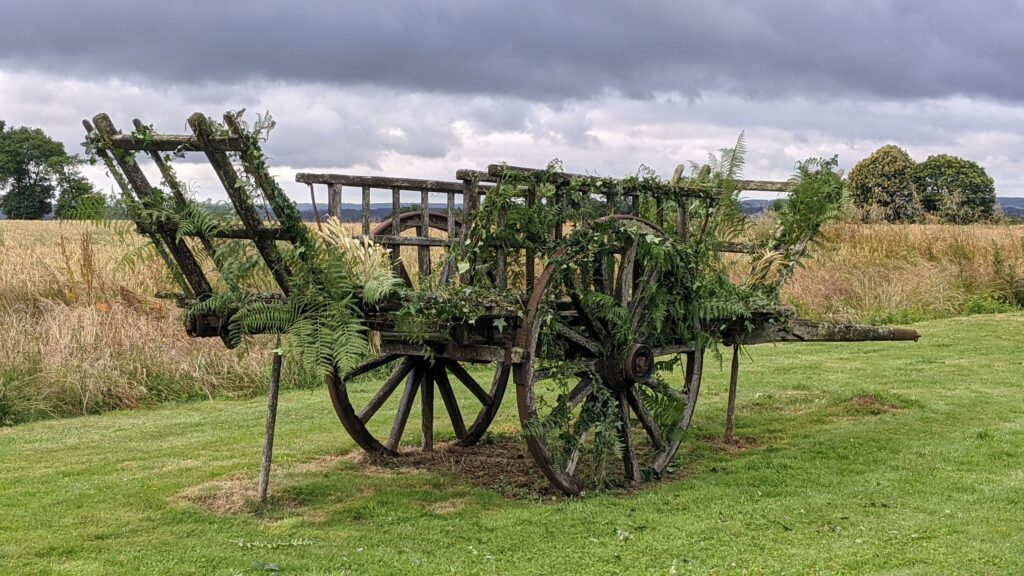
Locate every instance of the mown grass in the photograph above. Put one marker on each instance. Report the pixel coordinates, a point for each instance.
(883, 458)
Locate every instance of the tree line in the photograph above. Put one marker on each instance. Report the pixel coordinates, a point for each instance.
(886, 186)
(35, 170)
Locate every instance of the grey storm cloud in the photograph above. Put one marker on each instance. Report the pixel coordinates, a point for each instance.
(538, 50)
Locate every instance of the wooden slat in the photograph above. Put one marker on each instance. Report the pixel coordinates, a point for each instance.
(179, 250)
(240, 200)
(366, 210)
(427, 414)
(683, 219)
(407, 241)
(470, 204)
(450, 213)
(496, 170)
(379, 182)
(175, 186)
(396, 230)
(474, 175)
(423, 252)
(286, 211)
(334, 200)
(462, 353)
(171, 143)
(133, 208)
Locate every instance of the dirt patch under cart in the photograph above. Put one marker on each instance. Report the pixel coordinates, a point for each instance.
(501, 463)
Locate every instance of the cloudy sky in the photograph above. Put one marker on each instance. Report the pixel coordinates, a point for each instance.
(420, 89)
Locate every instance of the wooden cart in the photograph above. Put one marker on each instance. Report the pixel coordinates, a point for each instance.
(582, 390)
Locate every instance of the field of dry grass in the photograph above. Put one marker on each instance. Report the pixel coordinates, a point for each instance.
(81, 332)
(881, 273)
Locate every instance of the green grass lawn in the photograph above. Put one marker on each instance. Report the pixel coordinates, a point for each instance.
(892, 458)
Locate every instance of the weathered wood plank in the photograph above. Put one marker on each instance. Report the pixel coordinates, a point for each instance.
(427, 413)
(396, 228)
(366, 211)
(171, 143)
(382, 182)
(423, 252)
(334, 200)
(133, 206)
(451, 404)
(800, 330)
(146, 194)
(461, 353)
(244, 207)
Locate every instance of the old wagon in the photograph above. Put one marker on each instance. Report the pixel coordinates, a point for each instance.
(587, 293)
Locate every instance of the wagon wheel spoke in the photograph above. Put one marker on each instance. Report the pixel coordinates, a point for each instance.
(629, 458)
(636, 402)
(580, 392)
(405, 406)
(624, 284)
(603, 272)
(577, 338)
(638, 305)
(385, 392)
(593, 325)
(427, 406)
(414, 221)
(451, 405)
(371, 365)
(571, 444)
(574, 457)
(663, 389)
(580, 431)
(469, 382)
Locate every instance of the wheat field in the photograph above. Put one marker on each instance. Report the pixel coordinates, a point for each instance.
(82, 332)
(884, 273)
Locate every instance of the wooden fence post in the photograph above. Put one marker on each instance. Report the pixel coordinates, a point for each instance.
(268, 439)
(734, 377)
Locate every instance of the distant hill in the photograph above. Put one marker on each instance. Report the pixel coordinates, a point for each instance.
(1013, 207)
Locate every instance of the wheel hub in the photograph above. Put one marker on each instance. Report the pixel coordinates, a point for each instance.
(636, 367)
(639, 366)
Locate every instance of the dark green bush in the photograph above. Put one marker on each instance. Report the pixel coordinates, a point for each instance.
(883, 183)
(955, 189)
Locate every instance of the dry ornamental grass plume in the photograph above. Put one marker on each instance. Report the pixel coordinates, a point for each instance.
(369, 262)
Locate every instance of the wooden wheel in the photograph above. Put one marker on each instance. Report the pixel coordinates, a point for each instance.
(414, 221)
(462, 396)
(460, 393)
(587, 387)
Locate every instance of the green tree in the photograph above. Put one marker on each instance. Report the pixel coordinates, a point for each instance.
(78, 198)
(33, 168)
(883, 182)
(955, 189)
